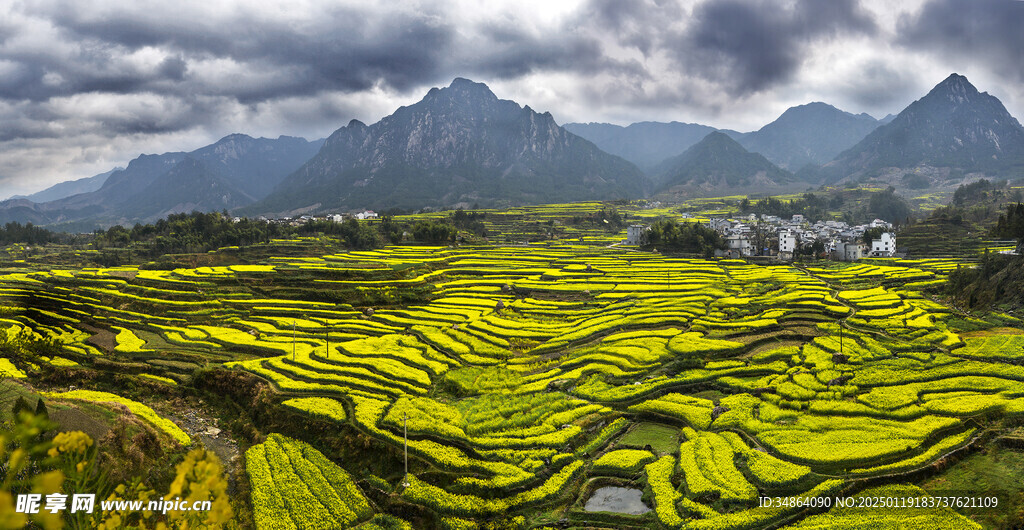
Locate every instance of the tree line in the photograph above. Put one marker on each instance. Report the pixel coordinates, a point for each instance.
(1011, 224)
(196, 232)
(811, 206)
(15, 232)
(885, 204)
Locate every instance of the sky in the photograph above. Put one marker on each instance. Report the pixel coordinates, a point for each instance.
(86, 86)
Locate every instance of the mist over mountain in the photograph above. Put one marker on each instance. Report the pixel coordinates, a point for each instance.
(459, 145)
(952, 130)
(256, 165)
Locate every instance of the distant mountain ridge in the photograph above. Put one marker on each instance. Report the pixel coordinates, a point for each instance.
(459, 145)
(256, 165)
(190, 185)
(234, 171)
(719, 163)
(808, 134)
(645, 144)
(69, 188)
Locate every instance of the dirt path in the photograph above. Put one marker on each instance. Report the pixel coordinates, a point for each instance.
(204, 429)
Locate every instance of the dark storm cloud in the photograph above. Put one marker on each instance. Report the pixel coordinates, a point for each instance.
(639, 24)
(344, 49)
(742, 46)
(347, 49)
(90, 67)
(749, 46)
(102, 77)
(986, 31)
(902, 86)
(173, 68)
(508, 51)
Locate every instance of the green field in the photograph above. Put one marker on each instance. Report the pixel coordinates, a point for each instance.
(662, 438)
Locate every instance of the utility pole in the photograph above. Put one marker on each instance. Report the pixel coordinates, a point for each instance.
(293, 340)
(327, 352)
(840, 337)
(405, 446)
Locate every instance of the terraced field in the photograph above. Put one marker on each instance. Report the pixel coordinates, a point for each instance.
(526, 377)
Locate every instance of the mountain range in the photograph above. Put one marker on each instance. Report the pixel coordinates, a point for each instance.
(234, 171)
(807, 134)
(461, 145)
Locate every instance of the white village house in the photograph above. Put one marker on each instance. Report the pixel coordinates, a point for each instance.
(884, 246)
(739, 246)
(848, 251)
(634, 234)
(787, 244)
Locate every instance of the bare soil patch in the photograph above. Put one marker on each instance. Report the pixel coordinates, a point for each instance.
(103, 339)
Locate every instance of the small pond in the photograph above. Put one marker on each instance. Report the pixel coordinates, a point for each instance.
(618, 500)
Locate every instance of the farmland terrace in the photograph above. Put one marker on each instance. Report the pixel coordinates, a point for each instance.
(528, 377)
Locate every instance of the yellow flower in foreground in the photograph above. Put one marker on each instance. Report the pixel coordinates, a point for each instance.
(70, 442)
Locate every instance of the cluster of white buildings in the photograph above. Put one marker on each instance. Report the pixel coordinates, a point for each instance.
(783, 238)
(303, 219)
(770, 235)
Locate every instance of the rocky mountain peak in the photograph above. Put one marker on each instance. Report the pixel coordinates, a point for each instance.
(232, 146)
(235, 137)
(719, 138)
(812, 133)
(461, 83)
(956, 88)
(953, 126)
(461, 91)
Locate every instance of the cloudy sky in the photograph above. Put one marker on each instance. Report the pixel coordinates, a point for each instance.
(88, 85)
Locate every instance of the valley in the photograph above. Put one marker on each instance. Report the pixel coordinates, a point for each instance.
(521, 378)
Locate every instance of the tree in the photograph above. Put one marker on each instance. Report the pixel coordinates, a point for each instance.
(433, 232)
(972, 192)
(815, 249)
(695, 238)
(1011, 224)
(15, 232)
(41, 409)
(872, 234)
(889, 206)
(759, 238)
(20, 405)
(915, 182)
